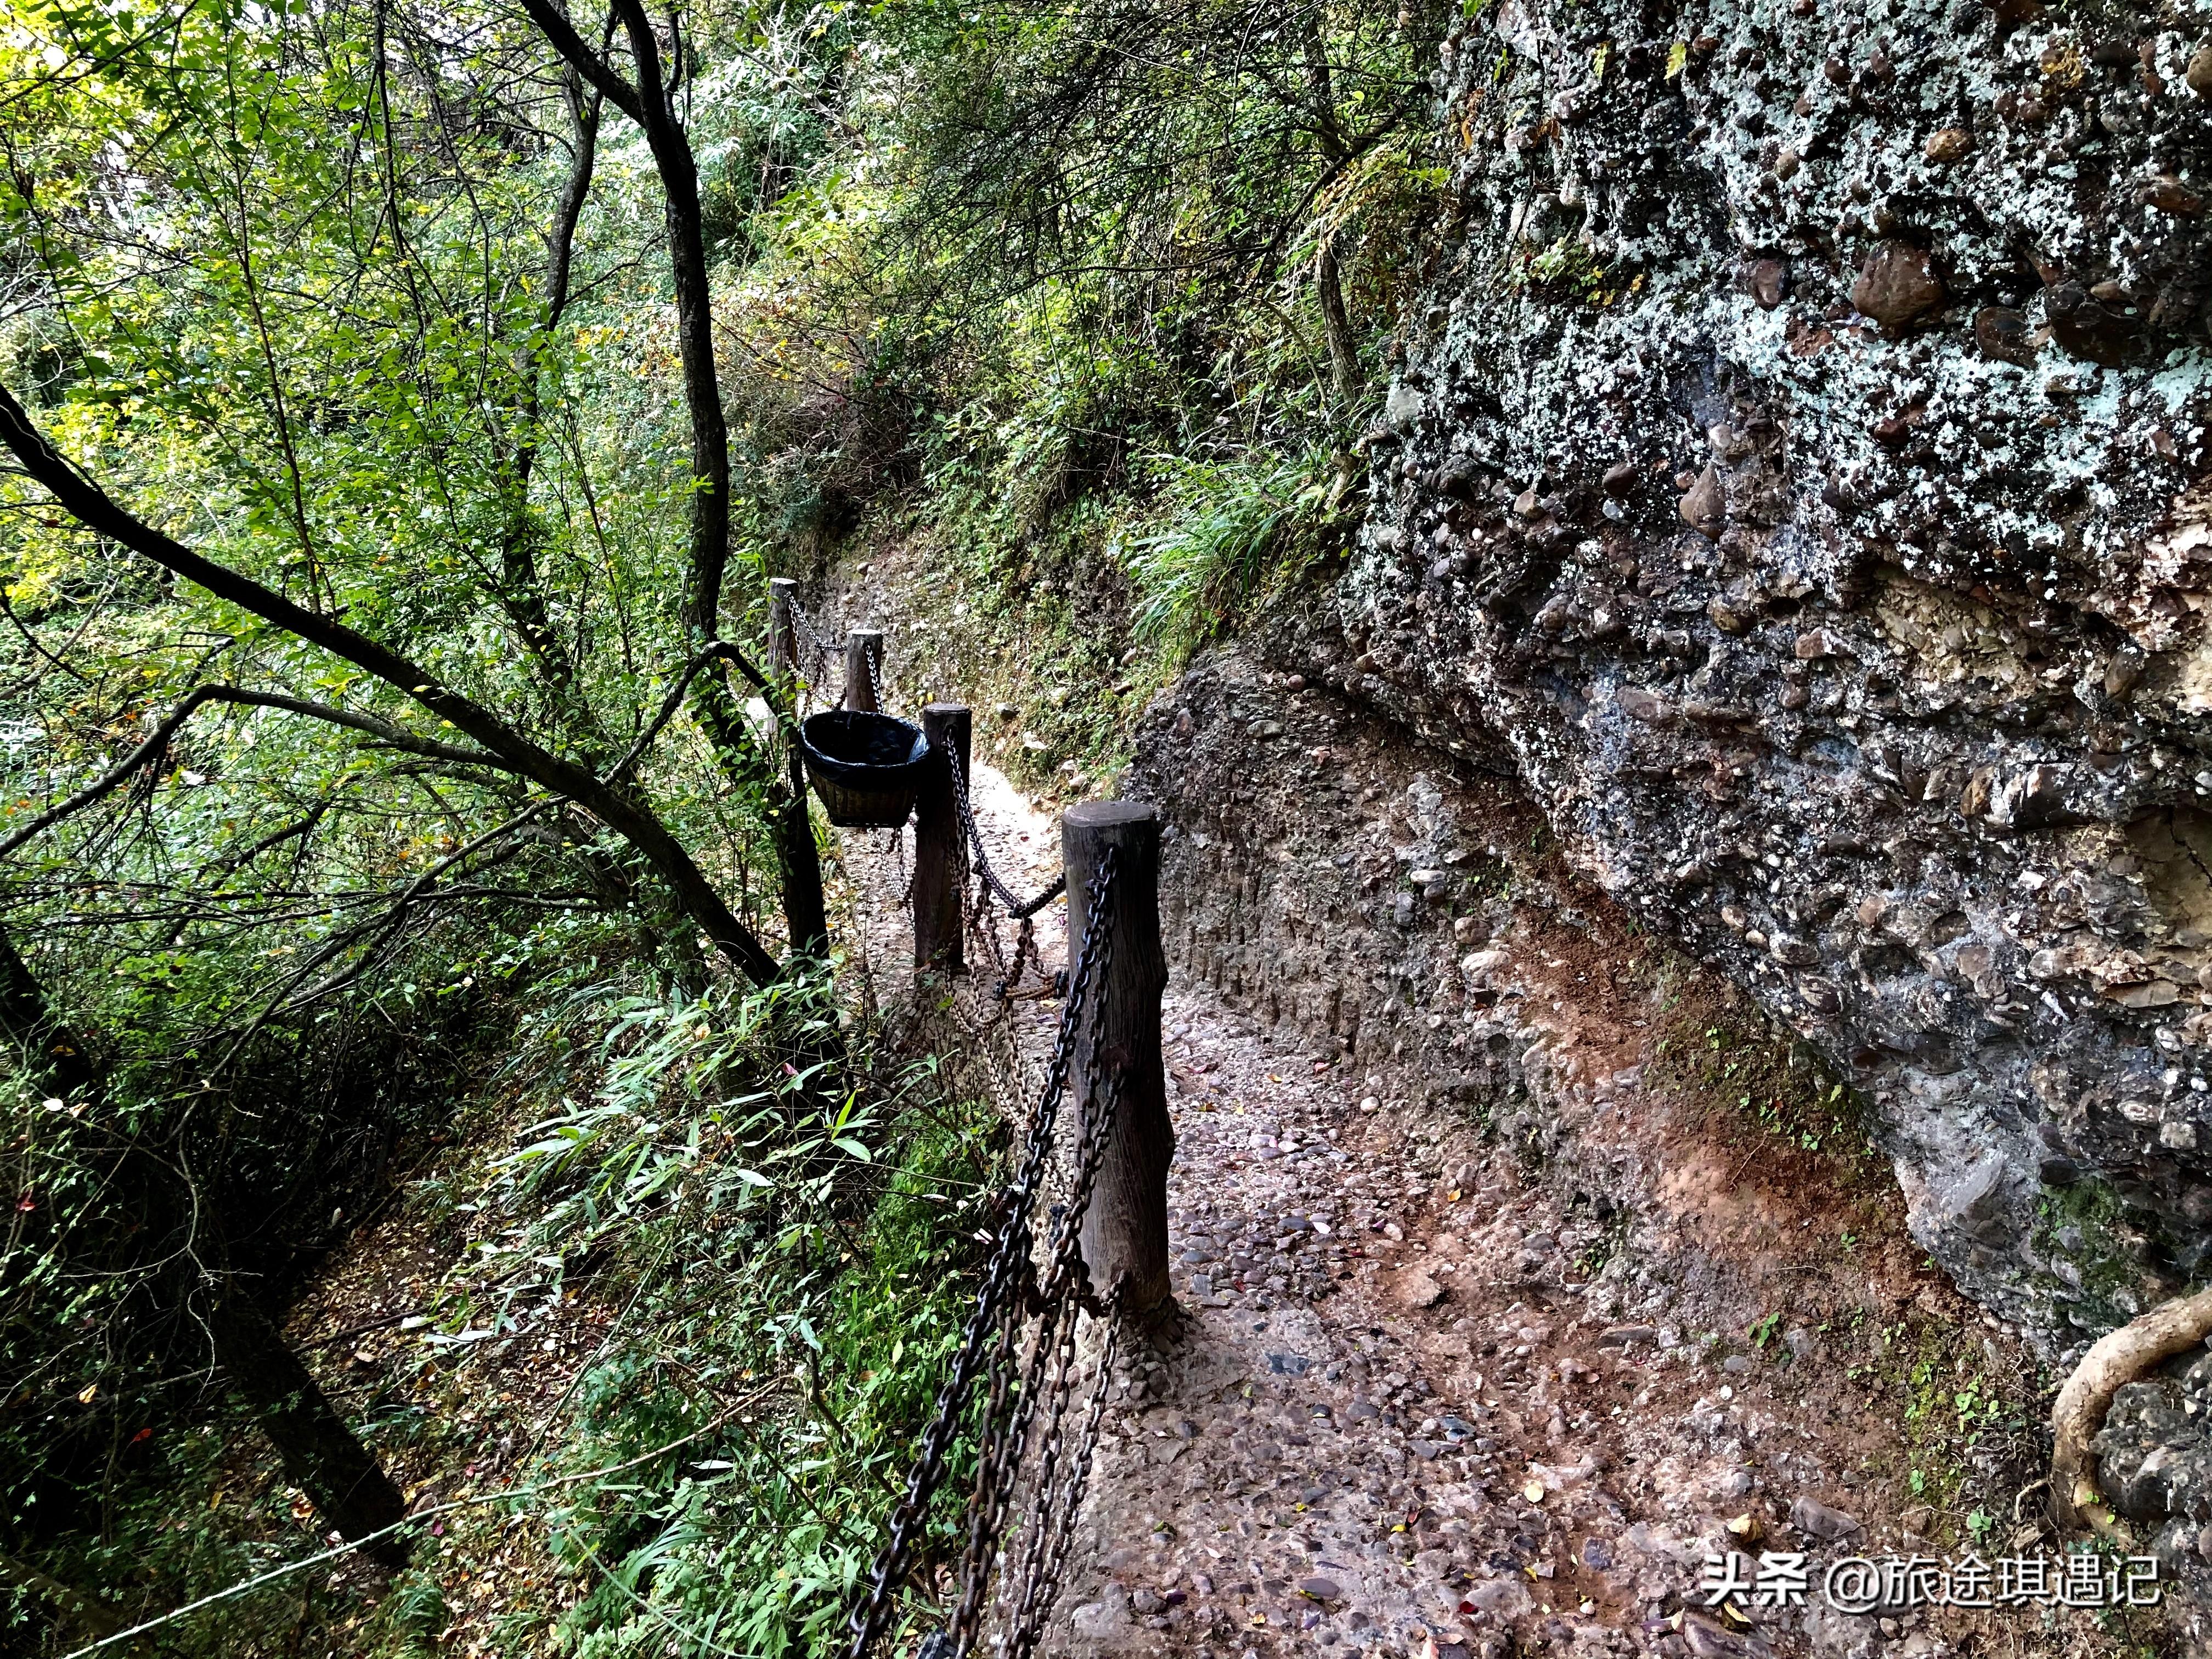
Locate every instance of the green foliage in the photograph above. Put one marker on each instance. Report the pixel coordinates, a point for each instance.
(1227, 533)
(800, 1278)
(1094, 300)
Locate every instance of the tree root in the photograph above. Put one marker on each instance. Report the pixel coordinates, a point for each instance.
(2113, 1361)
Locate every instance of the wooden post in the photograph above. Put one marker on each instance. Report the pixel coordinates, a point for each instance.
(864, 649)
(783, 631)
(806, 912)
(940, 854)
(1125, 1228)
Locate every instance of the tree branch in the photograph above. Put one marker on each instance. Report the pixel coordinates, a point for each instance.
(553, 23)
(720, 651)
(92, 508)
(385, 731)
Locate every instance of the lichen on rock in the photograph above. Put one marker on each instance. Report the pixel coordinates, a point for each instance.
(1832, 562)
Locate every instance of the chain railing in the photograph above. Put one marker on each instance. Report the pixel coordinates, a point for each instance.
(805, 635)
(1027, 1387)
(1018, 908)
(1061, 1474)
(805, 632)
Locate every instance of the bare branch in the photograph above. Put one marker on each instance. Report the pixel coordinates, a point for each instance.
(631, 819)
(553, 23)
(385, 731)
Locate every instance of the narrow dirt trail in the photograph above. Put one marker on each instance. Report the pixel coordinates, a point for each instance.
(1267, 1459)
(1422, 1397)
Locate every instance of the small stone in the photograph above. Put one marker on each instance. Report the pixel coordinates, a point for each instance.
(1974, 797)
(1822, 995)
(1897, 285)
(1707, 1640)
(1320, 1590)
(2169, 195)
(1639, 704)
(2088, 328)
(1794, 952)
(2002, 333)
(1480, 965)
(2199, 72)
(1947, 144)
(1705, 504)
(1417, 1289)
(1769, 278)
(1147, 1600)
(1626, 1336)
(1459, 476)
(1620, 479)
(1809, 1515)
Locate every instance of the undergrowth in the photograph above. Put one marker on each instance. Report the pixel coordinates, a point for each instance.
(695, 1304)
(793, 1264)
(1776, 1096)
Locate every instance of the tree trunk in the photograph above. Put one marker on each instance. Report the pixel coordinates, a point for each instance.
(1343, 358)
(321, 1454)
(323, 1458)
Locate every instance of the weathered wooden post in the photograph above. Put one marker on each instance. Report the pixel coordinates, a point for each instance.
(939, 852)
(782, 631)
(1125, 1228)
(864, 649)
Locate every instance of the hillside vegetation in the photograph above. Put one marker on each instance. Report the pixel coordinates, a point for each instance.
(431, 1075)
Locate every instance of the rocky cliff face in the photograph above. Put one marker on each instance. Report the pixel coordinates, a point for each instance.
(1799, 470)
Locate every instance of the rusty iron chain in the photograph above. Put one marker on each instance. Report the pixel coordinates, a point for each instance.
(807, 632)
(1047, 1380)
(1016, 908)
(1009, 1279)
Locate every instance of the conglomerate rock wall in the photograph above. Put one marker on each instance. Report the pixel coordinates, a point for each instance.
(1798, 468)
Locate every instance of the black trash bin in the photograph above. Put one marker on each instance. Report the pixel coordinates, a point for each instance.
(866, 768)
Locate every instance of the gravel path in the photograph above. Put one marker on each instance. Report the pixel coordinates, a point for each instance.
(1267, 1457)
(1394, 1413)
